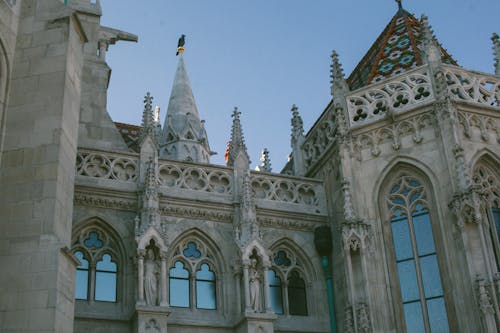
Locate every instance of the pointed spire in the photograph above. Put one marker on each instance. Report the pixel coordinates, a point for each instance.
(339, 84)
(430, 47)
(496, 52)
(147, 126)
(184, 136)
(237, 143)
(297, 123)
(265, 165)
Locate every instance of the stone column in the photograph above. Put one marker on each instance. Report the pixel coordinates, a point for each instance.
(140, 275)
(267, 292)
(163, 281)
(246, 286)
(284, 291)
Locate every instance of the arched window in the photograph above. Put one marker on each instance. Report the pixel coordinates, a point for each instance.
(193, 276)
(489, 184)
(287, 298)
(82, 277)
(97, 274)
(275, 288)
(205, 288)
(297, 295)
(179, 286)
(415, 257)
(105, 279)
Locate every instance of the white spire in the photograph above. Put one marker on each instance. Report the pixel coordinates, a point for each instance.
(184, 136)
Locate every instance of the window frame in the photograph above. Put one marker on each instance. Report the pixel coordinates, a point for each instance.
(393, 275)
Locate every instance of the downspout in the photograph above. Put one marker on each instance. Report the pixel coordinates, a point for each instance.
(324, 246)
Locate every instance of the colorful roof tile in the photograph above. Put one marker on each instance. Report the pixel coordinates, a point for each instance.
(130, 133)
(395, 51)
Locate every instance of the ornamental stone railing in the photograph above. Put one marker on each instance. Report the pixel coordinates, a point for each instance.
(190, 181)
(105, 165)
(272, 190)
(472, 87)
(211, 179)
(397, 95)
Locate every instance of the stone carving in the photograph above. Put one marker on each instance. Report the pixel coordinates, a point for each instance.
(104, 202)
(363, 318)
(255, 278)
(151, 272)
(107, 166)
(208, 179)
(393, 133)
(285, 190)
(152, 326)
(348, 320)
(355, 235)
(466, 206)
(292, 224)
(488, 184)
(196, 213)
(485, 124)
(472, 87)
(320, 138)
(397, 95)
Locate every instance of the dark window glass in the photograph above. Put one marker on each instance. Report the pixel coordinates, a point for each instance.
(281, 259)
(179, 285)
(82, 277)
(105, 279)
(297, 301)
(276, 292)
(205, 288)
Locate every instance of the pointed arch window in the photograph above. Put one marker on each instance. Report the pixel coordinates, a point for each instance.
(488, 183)
(193, 276)
(287, 298)
(97, 274)
(415, 257)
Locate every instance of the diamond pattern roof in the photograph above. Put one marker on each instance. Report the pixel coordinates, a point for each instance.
(395, 51)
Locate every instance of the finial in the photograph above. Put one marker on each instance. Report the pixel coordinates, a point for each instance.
(297, 123)
(237, 142)
(180, 45)
(147, 117)
(265, 165)
(338, 81)
(496, 52)
(157, 114)
(400, 4)
(430, 47)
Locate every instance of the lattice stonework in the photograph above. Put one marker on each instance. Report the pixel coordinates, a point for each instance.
(107, 166)
(489, 184)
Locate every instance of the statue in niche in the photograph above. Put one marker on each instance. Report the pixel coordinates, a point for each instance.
(254, 277)
(151, 278)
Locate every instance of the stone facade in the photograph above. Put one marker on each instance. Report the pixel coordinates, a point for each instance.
(386, 218)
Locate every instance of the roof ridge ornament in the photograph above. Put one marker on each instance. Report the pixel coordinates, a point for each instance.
(400, 4)
(180, 45)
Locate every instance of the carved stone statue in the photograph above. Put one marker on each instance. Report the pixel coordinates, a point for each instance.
(151, 278)
(255, 286)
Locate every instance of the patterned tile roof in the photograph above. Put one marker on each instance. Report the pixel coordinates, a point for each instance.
(395, 51)
(130, 134)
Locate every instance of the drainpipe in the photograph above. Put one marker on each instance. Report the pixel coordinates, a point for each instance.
(324, 246)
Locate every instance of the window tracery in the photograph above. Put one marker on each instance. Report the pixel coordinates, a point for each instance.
(415, 255)
(97, 274)
(488, 183)
(193, 276)
(287, 284)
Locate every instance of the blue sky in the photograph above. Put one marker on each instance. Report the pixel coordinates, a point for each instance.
(265, 55)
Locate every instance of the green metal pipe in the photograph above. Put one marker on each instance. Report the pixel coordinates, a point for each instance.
(329, 289)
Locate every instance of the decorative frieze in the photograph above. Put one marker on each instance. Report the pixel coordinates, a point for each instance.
(197, 213)
(466, 207)
(102, 201)
(355, 235)
(485, 124)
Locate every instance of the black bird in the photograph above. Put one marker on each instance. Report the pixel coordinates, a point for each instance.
(180, 43)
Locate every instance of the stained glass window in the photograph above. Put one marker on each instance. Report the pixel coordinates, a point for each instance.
(297, 302)
(416, 259)
(275, 292)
